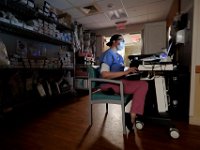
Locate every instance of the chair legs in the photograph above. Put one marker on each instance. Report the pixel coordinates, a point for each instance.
(106, 108)
(123, 119)
(90, 115)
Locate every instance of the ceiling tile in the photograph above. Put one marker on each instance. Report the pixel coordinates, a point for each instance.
(88, 19)
(156, 16)
(138, 11)
(75, 13)
(101, 18)
(138, 19)
(77, 3)
(94, 26)
(62, 4)
(136, 3)
(148, 9)
(106, 5)
(93, 23)
(91, 26)
(85, 20)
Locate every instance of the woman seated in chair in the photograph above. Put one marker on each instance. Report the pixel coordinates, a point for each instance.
(112, 67)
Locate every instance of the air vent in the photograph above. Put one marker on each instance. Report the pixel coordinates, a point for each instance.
(89, 10)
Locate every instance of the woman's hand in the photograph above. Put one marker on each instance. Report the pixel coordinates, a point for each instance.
(131, 70)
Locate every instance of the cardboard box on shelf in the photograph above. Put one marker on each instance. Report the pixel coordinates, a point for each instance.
(63, 17)
(39, 4)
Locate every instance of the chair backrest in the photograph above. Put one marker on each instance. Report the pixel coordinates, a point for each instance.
(93, 72)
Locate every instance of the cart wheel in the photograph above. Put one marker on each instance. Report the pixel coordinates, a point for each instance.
(139, 125)
(174, 133)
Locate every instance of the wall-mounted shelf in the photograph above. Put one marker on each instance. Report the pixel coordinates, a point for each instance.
(28, 13)
(9, 69)
(81, 77)
(17, 30)
(81, 83)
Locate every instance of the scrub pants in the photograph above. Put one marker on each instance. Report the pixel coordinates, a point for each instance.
(137, 88)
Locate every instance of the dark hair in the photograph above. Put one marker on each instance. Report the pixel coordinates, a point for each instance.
(113, 38)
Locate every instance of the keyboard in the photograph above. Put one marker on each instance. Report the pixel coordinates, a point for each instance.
(156, 67)
(133, 76)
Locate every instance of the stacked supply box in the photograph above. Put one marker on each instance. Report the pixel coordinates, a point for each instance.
(64, 18)
(37, 63)
(65, 59)
(52, 63)
(28, 3)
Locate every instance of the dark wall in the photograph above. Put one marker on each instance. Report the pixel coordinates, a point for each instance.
(185, 50)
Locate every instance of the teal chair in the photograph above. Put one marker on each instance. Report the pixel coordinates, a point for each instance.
(96, 96)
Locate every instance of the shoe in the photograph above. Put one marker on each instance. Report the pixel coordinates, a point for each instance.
(128, 122)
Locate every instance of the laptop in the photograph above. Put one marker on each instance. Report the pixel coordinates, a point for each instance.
(159, 56)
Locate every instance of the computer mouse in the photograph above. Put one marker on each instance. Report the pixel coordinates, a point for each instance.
(163, 55)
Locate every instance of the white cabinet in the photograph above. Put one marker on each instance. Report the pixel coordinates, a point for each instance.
(154, 37)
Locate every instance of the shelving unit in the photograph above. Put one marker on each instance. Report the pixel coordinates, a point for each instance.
(16, 30)
(28, 13)
(81, 77)
(21, 85)
(85, 49)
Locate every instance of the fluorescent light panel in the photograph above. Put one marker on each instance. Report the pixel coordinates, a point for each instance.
(117, 14)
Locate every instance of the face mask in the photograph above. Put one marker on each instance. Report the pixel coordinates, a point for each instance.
(120, 46)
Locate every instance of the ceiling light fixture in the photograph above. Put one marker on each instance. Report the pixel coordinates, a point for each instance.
(117, 14)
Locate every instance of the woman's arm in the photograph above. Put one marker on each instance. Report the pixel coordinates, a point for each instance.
(112, 75)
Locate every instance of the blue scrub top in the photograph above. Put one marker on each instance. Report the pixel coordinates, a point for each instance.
(113, 60)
